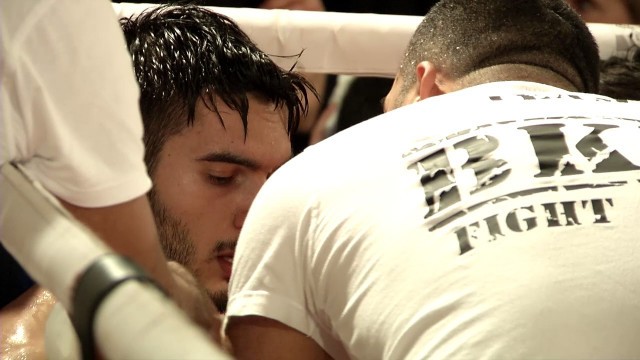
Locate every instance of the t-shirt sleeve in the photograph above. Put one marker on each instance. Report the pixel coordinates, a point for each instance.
(269, 274)
(79, 105)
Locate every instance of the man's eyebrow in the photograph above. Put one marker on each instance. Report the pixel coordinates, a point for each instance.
(227, 157)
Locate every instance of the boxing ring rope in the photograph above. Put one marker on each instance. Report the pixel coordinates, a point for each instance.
(136, 320)
(358, 44)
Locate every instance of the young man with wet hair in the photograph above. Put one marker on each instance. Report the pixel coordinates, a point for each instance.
(490, 213)
(218, 115)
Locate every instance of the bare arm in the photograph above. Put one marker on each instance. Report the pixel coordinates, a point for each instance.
(256, 337)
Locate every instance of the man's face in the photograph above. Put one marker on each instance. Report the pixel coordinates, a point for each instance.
(204, 182)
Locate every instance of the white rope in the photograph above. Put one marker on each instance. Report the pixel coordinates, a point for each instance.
(357, 44)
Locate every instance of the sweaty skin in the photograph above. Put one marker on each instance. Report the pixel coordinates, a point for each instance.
(206, 178)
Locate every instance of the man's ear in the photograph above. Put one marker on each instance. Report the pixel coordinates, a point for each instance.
(427, 74)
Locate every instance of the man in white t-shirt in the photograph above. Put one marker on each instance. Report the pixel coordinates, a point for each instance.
(70, 117)
(490, 213)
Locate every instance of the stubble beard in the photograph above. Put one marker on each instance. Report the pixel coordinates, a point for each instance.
(219, 299)
(178, 246)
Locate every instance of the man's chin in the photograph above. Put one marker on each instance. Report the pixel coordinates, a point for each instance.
(219, 299)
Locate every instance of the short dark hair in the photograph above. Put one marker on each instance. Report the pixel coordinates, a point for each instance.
(182, 53)
(460, 37)
(620, 78)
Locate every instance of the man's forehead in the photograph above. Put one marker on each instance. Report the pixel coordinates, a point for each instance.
(264, 132)
(258, 109)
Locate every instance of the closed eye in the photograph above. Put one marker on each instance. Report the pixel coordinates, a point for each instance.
(220, 180)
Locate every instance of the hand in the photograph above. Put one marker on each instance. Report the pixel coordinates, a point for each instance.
(309, 5)
(194, 301)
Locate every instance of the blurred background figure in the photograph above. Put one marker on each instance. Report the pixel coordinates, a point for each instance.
(608, 11)
(620, 78)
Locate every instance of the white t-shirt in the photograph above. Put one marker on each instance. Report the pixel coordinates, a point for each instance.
(69, 105)
(499, 221)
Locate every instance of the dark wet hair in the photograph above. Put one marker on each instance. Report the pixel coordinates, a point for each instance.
(460, 37)
(182, 53)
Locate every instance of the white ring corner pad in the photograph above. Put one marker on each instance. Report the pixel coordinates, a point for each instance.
(135, 321)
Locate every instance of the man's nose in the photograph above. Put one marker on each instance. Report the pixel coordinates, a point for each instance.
(247, 197)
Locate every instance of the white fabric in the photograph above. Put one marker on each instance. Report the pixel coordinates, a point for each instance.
(358, 44)
(161, 330)
(61, 340)
(69, 101)
(42, 236)
(493, 255)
